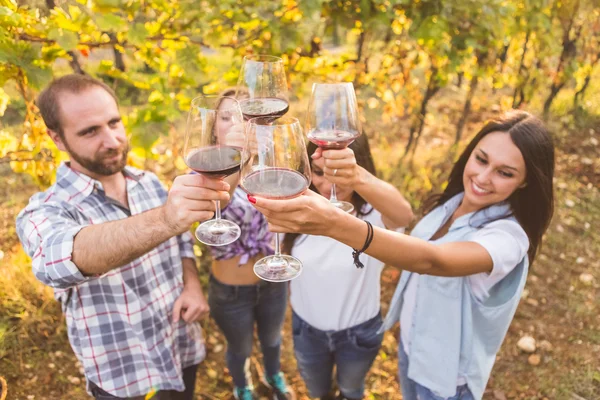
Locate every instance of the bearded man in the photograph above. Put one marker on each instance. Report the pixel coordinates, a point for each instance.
(115, 246)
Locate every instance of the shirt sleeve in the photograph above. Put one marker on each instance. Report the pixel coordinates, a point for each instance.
(47, 233)
(507, 244)
(186, 245)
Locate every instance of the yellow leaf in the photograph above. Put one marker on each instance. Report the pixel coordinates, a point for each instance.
(388, 96)
(180, 164)
(150, 394)
(397, 27)
(372, 102)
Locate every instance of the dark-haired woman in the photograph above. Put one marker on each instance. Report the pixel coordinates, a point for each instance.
(465, 262)
(238, 299)
(336, 308)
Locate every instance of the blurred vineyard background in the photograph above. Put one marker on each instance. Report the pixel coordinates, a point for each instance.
(428, 74)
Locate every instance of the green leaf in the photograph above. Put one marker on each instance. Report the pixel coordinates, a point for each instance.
(189, 59)
(66, 39)
(108, 3)
(5, 11)
(110, 22)
(38, 77)
(137, 34)
(20, 54)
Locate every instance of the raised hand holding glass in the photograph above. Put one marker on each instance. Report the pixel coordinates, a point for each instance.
(212, 149)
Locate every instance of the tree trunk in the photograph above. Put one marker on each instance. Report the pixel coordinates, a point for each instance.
(580, 95)
(569, 51)
(502, 60)
(459, 80)
(119, 60)
(360, 46)
(466, 109)
(554, 89)
(416, 128)
(74, 63)
(523, 81)
(335, 34)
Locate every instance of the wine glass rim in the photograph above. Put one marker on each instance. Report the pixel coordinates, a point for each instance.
(285, 120)
(263, 58)
(198, 98)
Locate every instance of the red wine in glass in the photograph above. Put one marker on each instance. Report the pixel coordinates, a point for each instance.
(331, 139)
(210, 149)
(275, 165)
(269, 108)
(332, 123)
(275, 183)
(215, 161)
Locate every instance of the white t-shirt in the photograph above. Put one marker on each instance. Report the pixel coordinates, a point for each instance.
(506, 242)
(331, 293)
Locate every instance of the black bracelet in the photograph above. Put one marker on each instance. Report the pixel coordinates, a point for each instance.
(357, 253)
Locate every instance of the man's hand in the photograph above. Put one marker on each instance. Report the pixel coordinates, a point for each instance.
(191, 305)
(191, 199)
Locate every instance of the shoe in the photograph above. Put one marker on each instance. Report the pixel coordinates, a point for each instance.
(245, 393)
(281, 391)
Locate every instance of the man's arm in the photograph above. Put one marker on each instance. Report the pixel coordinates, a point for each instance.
(65, 253)
(191, 305)
(100, 248)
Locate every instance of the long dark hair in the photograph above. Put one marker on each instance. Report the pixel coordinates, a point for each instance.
(364, 158)
(533, 204)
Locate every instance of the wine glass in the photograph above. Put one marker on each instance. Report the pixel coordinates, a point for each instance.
(332, 122)
(212, 149)
(275, 166)
(262, 87)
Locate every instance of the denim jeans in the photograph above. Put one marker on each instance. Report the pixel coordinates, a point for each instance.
(351, 350)
(189, 380)
(236, 309)
(411, 390)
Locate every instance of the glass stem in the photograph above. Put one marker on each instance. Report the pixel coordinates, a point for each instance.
(333, 195)
(217, 210)
(277, 249)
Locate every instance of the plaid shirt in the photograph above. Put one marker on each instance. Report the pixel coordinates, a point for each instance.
(119, 323)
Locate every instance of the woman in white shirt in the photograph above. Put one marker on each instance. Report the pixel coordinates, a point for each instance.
(466, 261)
(336, 308)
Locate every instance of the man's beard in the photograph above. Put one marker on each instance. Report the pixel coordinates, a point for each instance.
(97, 166)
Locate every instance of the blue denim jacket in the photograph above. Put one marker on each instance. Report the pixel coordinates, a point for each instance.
(454, 333)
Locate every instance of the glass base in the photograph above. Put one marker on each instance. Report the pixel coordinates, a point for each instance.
(280, 268)
(343, 205)
(218, 233)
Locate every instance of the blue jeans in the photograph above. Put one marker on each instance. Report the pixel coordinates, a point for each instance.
(235, 309)
(351, 350)
(411, 390)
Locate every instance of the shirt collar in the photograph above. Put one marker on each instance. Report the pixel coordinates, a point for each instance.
(476, 218)
(80, 184)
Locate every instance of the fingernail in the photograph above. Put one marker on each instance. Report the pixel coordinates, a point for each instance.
(251, 199)
(313, 155)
